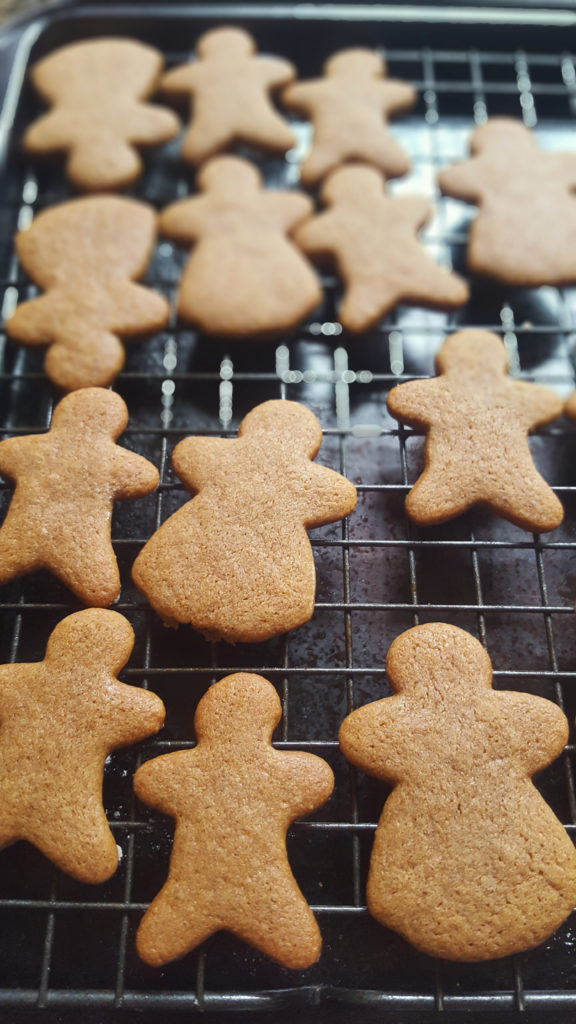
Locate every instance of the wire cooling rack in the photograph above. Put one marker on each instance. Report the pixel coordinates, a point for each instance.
(66, 945)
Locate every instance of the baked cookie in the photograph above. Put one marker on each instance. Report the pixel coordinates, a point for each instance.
(59, 720)
(97, 89)
(349, 108)
(229, 87)
(525, 231)
(469, 862)
(66, 483)
(244, 277)
(233, 798)
(373, 241)
(85, 255)
(476, 421)
(236, 562)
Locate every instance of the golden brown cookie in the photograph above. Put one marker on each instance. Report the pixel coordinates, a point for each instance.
(233, 798)
(236, 561)
(570, 406)
(66, 483)
(96, 89)
(85, 254)
(229, 87)
(373, 241)
(525, 231)
(244, 277)
(349, 108)
(469, 862)
(60, 718)
(476, 421)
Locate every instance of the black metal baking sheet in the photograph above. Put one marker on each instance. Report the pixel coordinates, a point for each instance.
(67, 950)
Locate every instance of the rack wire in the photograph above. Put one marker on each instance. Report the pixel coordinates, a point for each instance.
(66, 945)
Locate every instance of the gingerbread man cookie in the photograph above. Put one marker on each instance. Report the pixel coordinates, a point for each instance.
(236, 562)
(233, 798)
(66, 483)
(372, 240)
(85, 254)
(525, 231)
(229, 87)
(469, 862)
(244, 276)
(348, 108)
(476, 421)
(59, 720)
(97, 89)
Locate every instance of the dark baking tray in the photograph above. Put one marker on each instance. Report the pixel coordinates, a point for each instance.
(67, 950)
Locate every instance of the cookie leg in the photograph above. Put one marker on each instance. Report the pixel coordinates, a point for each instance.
(88, 566)
(270, 132)
(529, 503)
(100, 161)
(80, 845)
(283, 926)
(321, 159)
(365, 303)
(383, 151)
(204, 140)
(437, 496)
(177, 921)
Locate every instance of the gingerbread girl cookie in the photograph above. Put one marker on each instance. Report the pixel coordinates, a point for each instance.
(373, 241)
(469, 862)
(229, 87)
(85, 254)
(233, 798)
(476, 421)
(525, 231)
(348, 108)
(97, 90)
(236, 562)
(66, 483)
(59, 720)
(244, 276)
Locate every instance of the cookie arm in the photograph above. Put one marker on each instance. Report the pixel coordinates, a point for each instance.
(274, 71)
(199, 461)
(326, 496)
(183, 79)
(462, 181)
(374, 736)
(182, 221)
(159, 783)
(133, 476)
(397, 96)
(12, 455)
(308, 781)
(300, 96)
(538, 730)
(318, 236)
(287, 209)
(415, 403)
(536, 404)
(131, 714)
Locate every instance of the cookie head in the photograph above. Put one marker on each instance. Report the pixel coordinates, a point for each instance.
(230, 710)
(226, 43)
(355, 63)
(349, 183)
(120, 67)
(94, 411)
(229, 177)
(475, 354)
(95, 636)
(436, 657)
(501, 133)
(287, 425)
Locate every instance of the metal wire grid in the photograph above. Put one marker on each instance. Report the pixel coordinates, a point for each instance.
(177, 384)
